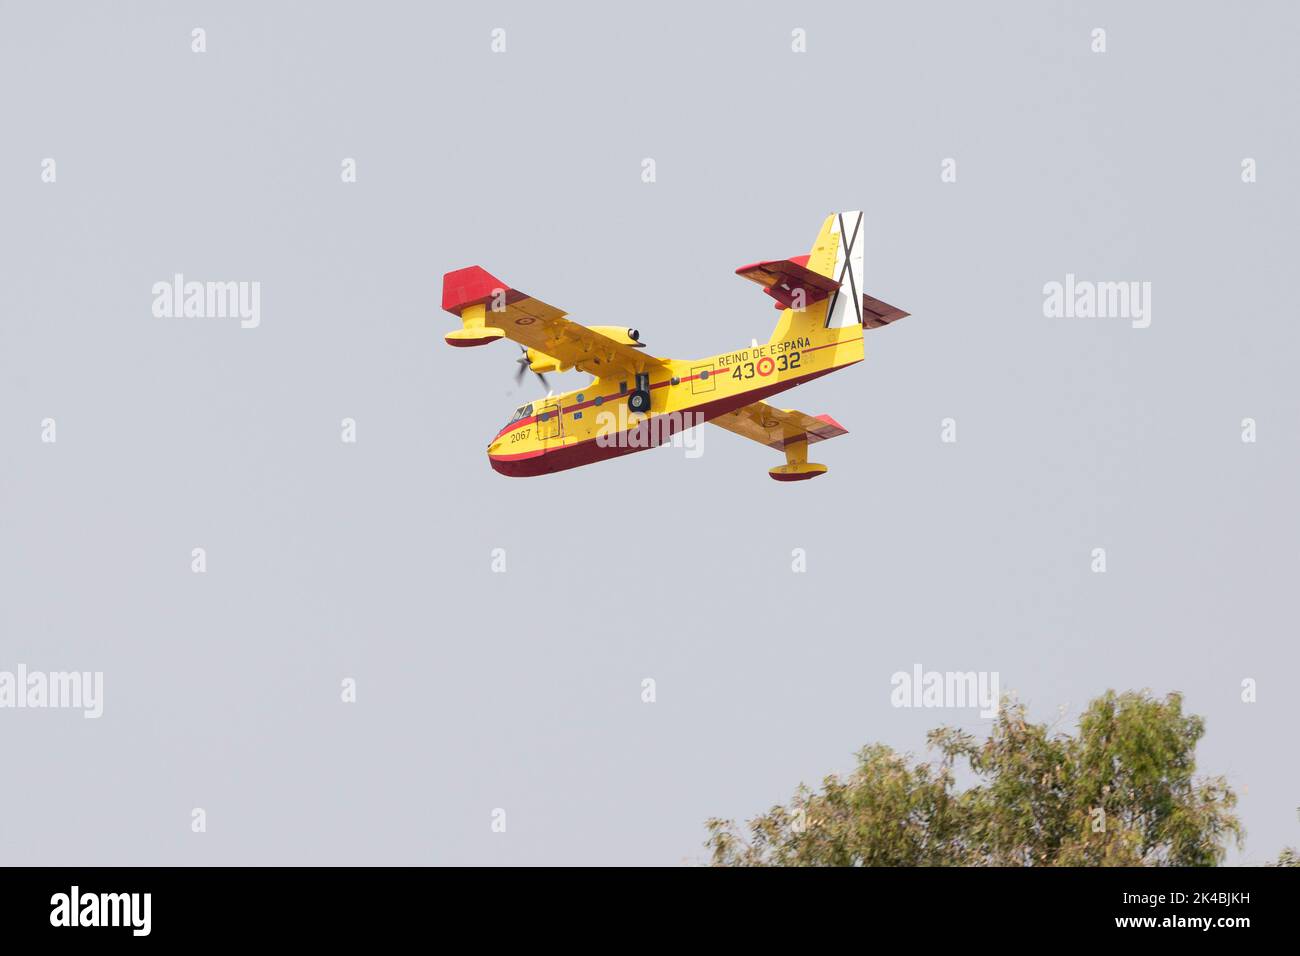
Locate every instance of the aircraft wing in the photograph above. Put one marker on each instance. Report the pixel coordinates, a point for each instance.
(777, 427)
(541, 327)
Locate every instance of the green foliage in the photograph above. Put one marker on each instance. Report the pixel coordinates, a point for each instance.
(1120, 793)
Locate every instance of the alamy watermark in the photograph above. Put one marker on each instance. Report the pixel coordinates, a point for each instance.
(178, 299)
(623, 430)
(128, 910)
(1084, 299)
(947, 689)
(71, 690)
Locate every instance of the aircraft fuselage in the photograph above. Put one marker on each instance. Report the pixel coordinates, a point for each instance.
(594, 423)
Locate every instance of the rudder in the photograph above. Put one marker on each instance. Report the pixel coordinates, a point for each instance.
(838, 254)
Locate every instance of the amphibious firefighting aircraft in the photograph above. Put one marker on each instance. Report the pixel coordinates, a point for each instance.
(637, 400)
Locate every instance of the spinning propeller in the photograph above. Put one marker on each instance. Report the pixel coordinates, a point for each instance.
(524, 367)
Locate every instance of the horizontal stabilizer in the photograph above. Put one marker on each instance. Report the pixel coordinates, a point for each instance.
(876, 313)
(782, 278)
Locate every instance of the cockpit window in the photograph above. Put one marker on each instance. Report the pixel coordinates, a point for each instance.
(523, 411)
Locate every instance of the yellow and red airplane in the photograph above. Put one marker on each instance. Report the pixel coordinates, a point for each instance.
(637, 400)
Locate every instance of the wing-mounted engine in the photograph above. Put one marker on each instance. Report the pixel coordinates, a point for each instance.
(538, 361)
(629, 337)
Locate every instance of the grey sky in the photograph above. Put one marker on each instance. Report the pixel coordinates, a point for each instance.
(372, 560)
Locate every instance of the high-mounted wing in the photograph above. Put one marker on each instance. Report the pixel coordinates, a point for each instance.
(489, 310)
(785, 430)
(779, 427)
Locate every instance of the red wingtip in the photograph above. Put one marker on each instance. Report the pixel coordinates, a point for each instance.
(832, 422)
(468, 286)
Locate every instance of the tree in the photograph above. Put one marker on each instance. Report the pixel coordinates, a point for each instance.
(1122, 792)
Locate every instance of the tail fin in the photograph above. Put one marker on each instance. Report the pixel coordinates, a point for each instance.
(837, 254)
(823, 290)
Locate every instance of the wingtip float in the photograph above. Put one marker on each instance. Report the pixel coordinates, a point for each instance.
(638, 400)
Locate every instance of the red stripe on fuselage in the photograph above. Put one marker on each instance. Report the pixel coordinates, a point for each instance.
(592, 450)
(668, 381)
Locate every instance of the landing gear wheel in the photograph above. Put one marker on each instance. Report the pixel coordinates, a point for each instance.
(638, 401)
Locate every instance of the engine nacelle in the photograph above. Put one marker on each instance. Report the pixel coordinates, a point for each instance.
(541, 362)
(621, 335)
